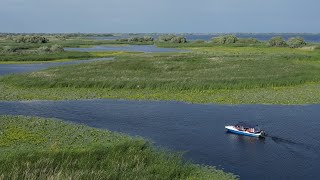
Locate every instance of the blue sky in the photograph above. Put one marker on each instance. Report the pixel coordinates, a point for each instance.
(167, 16)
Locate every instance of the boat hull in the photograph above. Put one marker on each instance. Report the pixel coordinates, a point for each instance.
(235, 131)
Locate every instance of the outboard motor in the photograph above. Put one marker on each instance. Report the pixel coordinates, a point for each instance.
(263, 134)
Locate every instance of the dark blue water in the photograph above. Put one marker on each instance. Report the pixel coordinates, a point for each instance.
(292, 150)
(127, 48)
(21, 68)
(206, 37)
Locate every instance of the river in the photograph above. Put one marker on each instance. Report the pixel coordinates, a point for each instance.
(291, 150)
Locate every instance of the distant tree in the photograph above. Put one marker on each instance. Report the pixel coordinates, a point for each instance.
(43, 50)
(277, 42)
(178, 39)
(296, 42)
(165, 38)
(148, 38)
(225, 39)
(136, 39)
(172, 38)
(61, 37)
(9, 37)
(31, 39)
(56, 48)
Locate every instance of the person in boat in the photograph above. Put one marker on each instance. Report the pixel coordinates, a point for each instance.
(251, 130)
(240, 128)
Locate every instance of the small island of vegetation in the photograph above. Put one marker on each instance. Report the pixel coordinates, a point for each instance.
(37, 148)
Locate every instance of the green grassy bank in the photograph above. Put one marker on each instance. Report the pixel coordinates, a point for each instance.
(37, 148)
(219, 74)
(61, 56)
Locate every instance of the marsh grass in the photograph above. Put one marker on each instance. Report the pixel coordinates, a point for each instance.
(37, 148)
(62, 56)
(203, 69)
(219, 74)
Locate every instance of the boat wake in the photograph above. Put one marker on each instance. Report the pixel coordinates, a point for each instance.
(294, 146)
(279, 140)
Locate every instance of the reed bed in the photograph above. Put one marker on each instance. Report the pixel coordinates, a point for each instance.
(203, 69)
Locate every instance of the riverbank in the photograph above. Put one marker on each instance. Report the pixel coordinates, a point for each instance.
(45, 148)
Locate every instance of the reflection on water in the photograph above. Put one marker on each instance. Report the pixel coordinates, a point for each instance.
(243, 139)
(292, 150)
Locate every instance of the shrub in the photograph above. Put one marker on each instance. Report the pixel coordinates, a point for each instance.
(296, 42)
(225, 39)
(9, 37)
(43, 49)
(277, 42)
(148, 38)
(178, 39)
(56, 48)
(62, 37)
(8, 50)
(136, 39)
(172, 38)
(31, 39)
(165, 38)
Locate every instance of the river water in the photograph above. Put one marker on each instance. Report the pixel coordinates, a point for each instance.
(291, 150)
(22, 68)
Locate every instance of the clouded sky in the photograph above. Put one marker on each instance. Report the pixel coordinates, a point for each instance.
(167, 16)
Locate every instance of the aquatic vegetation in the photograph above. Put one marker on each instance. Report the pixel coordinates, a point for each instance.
(44, 54)
(203, 69)
(52, 149)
